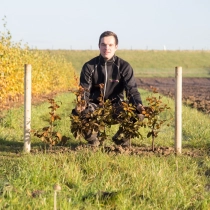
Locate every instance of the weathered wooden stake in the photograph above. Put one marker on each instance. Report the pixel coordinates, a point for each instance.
(27, 107)
(178, 110)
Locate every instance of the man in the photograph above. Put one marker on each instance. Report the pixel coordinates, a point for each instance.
(117, 76)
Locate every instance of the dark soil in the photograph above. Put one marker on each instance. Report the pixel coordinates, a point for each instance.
(117, 150)
(195, 91)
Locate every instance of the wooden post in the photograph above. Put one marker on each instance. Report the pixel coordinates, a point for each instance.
(27, 107)
(178, 110)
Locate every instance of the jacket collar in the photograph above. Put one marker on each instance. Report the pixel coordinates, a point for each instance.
(110, 61)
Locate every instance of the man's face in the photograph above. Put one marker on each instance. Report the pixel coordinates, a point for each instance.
(107, 47)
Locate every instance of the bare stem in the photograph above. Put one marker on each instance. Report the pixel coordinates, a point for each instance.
(153, 145)
(55, 200)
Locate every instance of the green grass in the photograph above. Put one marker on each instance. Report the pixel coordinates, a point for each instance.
(135, 182)
(131, 181)
(151, 63)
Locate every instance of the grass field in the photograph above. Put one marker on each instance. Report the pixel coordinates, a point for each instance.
(150, 63)
(94, 179)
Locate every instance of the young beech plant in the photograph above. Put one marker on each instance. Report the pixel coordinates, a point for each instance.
(48, 134)
(125, 115)
(97, 120)
(153, 114)
(104, 116)
(129, 121)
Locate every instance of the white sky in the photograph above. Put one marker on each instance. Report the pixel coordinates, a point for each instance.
(139, 24)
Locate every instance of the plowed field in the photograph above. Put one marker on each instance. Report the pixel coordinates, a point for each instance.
(195, 91)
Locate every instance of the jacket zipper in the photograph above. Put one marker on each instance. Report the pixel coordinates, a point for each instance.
(105, 79)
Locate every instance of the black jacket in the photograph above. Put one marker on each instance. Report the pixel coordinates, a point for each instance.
(116, 75)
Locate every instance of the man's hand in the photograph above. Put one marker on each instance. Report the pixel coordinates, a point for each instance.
(80, 107)
(140, 108)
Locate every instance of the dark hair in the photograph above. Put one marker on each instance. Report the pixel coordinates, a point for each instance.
(108, 33)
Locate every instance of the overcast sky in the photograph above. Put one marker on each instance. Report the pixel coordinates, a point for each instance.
(139, 24)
